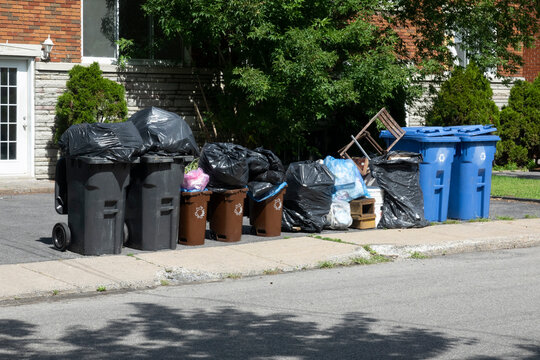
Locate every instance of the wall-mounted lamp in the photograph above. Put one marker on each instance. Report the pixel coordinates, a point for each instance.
(46, 49)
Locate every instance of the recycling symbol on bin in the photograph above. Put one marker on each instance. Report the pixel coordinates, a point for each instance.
(199, 212)
(483, 156)
(277, 204)
(238, 210)
(442, 157)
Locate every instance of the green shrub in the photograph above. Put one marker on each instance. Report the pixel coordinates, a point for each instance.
(89, 98)
(519, 125)
(464, 99)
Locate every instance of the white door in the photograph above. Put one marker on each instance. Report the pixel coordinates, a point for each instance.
(14, 129)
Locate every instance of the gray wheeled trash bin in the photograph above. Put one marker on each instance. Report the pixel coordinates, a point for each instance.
(91, 191)
(153, 202)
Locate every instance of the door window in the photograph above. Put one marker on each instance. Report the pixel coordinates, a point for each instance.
(8, 113)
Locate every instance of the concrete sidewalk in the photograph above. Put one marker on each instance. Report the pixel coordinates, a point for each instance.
(25, 185)
(184, 265)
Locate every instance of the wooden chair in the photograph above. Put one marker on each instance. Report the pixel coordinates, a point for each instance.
(391, 125)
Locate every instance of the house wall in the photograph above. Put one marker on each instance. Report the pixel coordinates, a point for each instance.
(501, 91)
(416, 112)
(30, 22)
(531, 58)
(172, 89)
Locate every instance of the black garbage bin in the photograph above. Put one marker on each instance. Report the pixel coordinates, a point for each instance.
(94, 190)
(153, 202)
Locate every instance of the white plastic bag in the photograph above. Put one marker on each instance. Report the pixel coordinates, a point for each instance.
(339, 217)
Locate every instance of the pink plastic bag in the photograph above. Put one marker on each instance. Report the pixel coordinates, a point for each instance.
(195, 180)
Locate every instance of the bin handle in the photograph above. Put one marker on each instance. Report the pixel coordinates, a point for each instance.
(110, 211)
(167, 208)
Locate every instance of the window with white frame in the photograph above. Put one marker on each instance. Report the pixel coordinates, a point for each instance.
(99, 29)
(460, 52)
(464, 56)
(106, 21)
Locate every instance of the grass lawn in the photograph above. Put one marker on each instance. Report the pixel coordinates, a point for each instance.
(515, 187)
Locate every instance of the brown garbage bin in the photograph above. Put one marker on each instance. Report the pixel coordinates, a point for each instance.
(265, 216)
(193, 210)
(226, 212)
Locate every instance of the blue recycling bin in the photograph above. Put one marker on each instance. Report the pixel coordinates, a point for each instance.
(437, 146)
(470, 187)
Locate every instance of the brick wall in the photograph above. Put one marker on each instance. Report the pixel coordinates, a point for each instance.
(531, 57)
(171, 89)
(406, 34)
(30, 22)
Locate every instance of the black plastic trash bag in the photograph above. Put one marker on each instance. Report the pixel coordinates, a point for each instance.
(397, 173)
(119, 142)
(258, 189)
(276, 171)
(257, 162)
(164, 132)
(308, 197)
(226, 164)
(266, 172)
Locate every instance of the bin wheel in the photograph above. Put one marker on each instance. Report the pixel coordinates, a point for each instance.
(125, 234)
(61, 236)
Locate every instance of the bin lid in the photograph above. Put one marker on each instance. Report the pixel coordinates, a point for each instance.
(184, 158)
(473, 130)
(438, 131)
(428, 131)
(156, 159)
(437, 136)
(480, 138)
(93, 160)
(96, 160)
(425, 131)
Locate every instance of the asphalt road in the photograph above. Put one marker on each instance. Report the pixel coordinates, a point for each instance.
(471, 306)
(26, 223)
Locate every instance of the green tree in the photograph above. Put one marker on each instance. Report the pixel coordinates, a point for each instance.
(464, 99)
(519, 126)
(89, 98)
(291, 68)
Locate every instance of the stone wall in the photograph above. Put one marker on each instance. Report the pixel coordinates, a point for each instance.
(416, 111)
(173, 89)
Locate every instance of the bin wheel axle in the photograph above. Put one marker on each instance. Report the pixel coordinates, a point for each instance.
(61, 236)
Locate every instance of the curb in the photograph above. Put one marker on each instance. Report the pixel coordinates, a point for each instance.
(515, 199)
(10, 192)
(183, 276)
(461, 247)
(518, 174)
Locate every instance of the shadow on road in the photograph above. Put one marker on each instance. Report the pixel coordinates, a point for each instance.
(154, 331)
(46, 240)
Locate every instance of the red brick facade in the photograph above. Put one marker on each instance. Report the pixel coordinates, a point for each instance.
(30, 22)
(531, 57)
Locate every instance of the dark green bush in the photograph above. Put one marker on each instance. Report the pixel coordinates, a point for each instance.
(89, 98)
(464, 99)
(519, 125)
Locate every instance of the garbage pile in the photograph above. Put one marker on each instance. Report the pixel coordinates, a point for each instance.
(161, 190)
